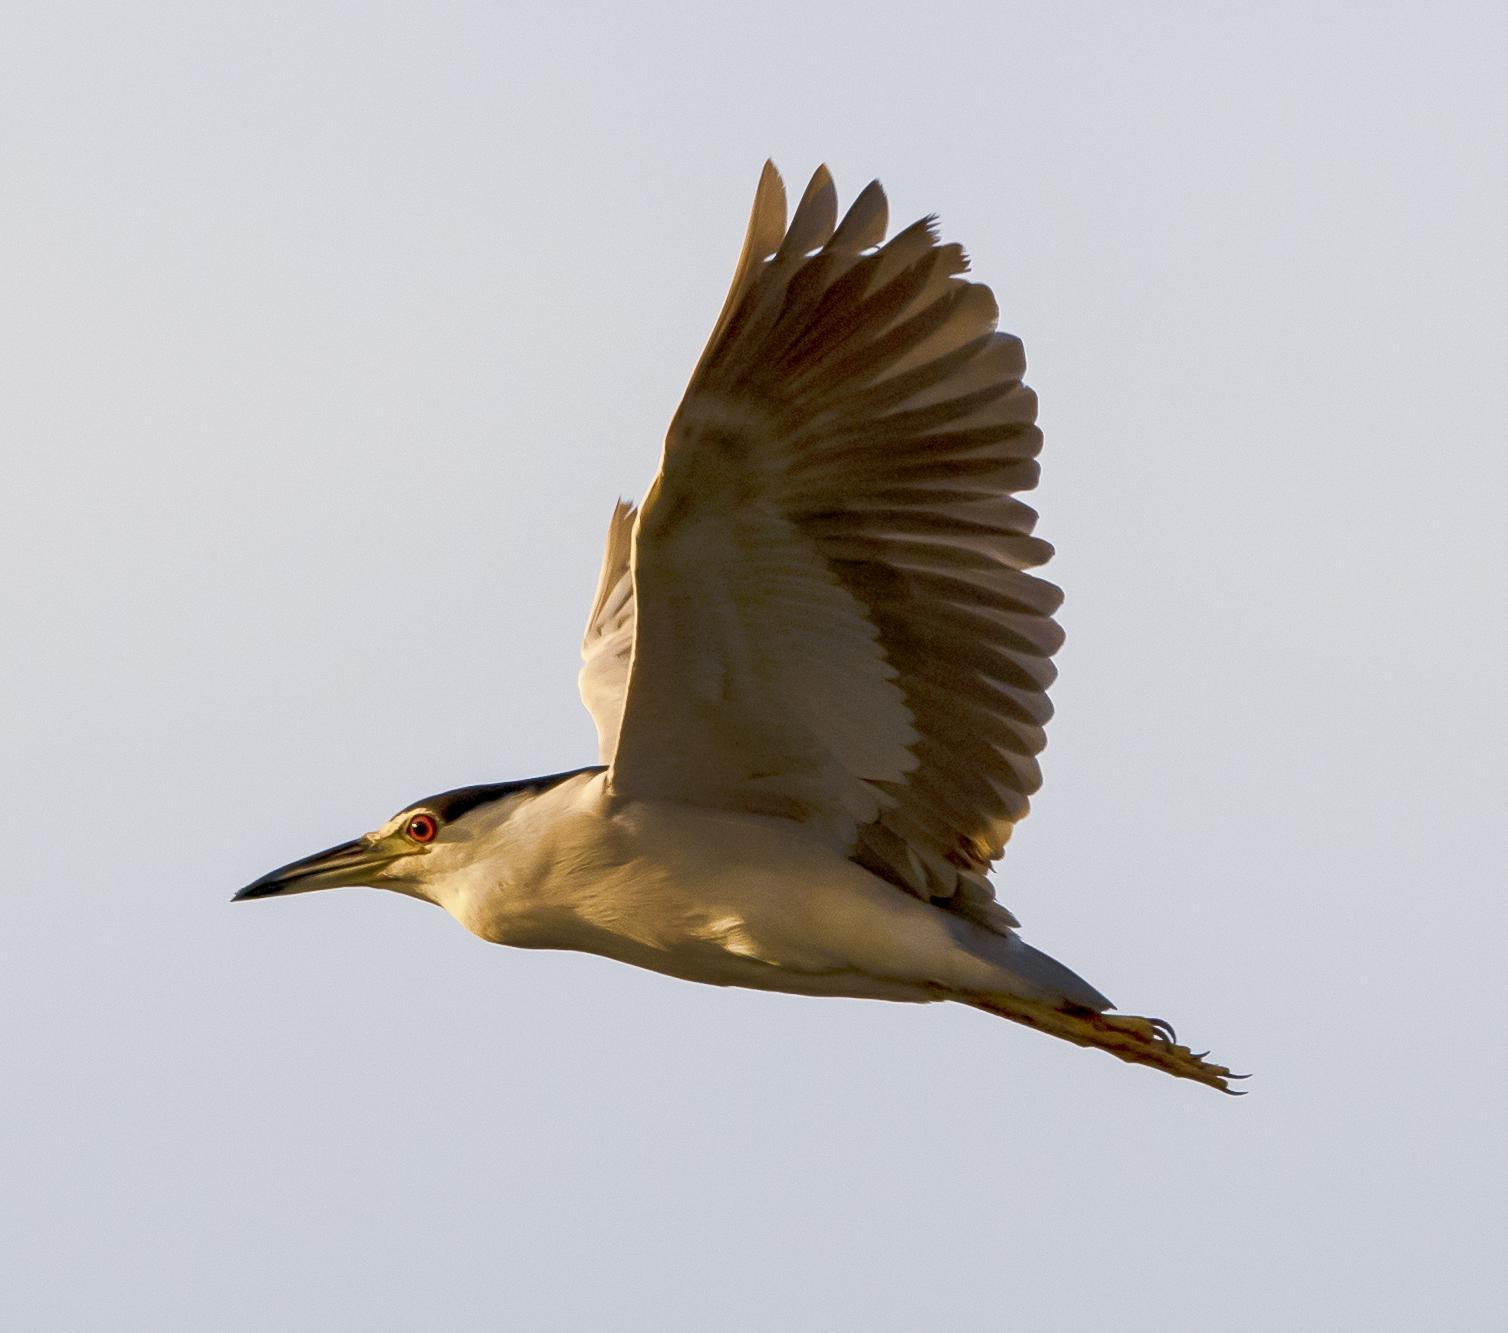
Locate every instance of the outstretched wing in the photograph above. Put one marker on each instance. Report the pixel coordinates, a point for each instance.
(830, 618)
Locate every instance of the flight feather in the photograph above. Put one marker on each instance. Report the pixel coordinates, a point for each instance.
(823, 609)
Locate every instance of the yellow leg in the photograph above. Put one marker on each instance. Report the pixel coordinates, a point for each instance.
(1141, 1041)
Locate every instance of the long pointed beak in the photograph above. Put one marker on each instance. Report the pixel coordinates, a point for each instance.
(345, 866)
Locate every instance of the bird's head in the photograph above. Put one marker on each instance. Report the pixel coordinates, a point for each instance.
(424, 850)
(414, 846)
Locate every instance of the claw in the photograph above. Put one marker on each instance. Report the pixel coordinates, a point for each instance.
(1130, 1037)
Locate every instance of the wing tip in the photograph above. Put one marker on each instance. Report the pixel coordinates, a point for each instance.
(767, 216)
(864, 224)
(815, 218)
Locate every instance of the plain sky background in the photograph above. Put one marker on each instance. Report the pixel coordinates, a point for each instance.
(328, 336)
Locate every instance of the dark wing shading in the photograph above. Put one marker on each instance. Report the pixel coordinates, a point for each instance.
(829, 614)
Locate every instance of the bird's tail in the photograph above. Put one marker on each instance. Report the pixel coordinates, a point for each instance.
(1141, 1041)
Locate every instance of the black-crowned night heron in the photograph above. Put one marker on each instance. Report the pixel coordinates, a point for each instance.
(817, 667)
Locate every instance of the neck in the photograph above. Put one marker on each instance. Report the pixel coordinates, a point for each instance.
(528, 852)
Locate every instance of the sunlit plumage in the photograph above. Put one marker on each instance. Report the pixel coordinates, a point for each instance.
(817, 665)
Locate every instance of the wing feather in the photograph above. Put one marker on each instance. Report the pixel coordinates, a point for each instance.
(823, 611)
(607, 645)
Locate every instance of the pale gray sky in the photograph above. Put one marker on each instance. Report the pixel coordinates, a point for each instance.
(329, 335)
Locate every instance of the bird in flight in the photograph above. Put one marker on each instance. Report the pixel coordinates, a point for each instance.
(816, 662)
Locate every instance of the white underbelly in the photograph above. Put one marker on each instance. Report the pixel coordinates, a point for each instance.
(728, 899)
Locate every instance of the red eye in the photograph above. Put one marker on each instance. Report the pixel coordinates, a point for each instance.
(422, 828)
